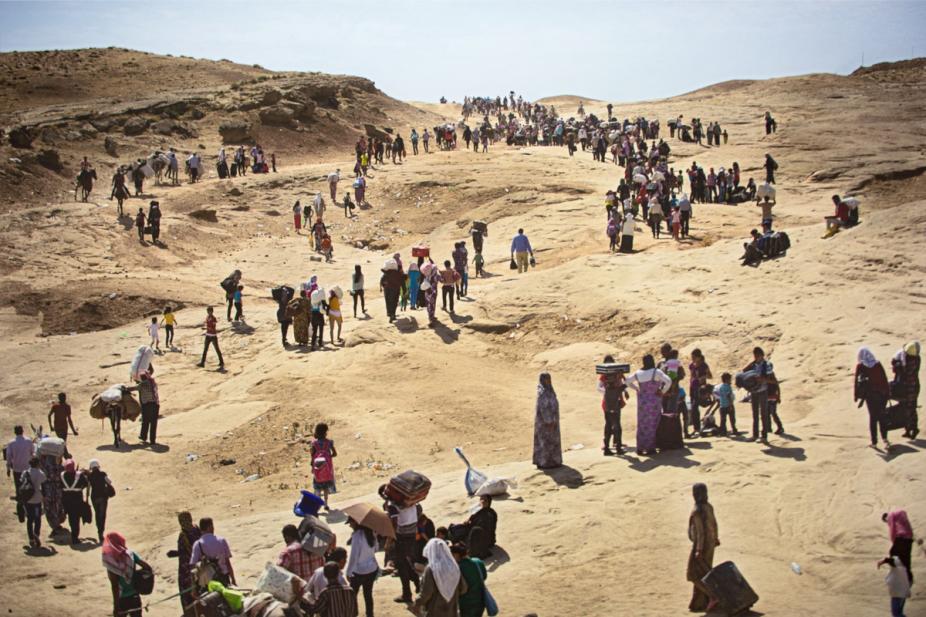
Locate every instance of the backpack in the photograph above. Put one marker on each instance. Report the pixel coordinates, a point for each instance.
(321, 462)
(26, 489)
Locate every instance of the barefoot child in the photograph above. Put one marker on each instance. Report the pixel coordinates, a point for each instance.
(676, 223)
(153, 332)
(323, 453)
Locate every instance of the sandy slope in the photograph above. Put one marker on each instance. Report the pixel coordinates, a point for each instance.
(404, 396)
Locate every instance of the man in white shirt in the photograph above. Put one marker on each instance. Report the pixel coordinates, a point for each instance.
(193, 162)
(317, 583)
(17, 455)
(333, 179)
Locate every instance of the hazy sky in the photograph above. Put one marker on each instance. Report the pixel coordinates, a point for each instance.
(422, 49)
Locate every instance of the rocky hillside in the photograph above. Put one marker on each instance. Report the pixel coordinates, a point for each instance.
(115, 105)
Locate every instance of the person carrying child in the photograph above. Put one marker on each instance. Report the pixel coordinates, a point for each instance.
(614, 393)
(323, 453)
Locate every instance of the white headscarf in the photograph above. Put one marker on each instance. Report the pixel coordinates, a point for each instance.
(866, 358)
(443, 567)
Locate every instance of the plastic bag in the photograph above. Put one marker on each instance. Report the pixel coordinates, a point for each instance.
(473, 478)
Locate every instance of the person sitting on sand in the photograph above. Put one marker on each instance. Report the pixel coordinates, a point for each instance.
(478, 532)
(840, 220)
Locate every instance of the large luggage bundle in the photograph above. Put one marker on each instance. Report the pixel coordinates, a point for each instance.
(727, 585)
(748, 380)
(51, 446)
(131, 408)
(408, 488)
(611, 368)
(317, 536)
(482, 227)
(141, 362)
(765, 190)
(283, 293)
(98, 408)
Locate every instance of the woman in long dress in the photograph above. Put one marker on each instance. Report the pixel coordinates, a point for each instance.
(548, 450)
(702, 531)
(906, 365)
(649, 383)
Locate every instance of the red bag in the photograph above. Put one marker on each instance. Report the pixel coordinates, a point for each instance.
(421, 251)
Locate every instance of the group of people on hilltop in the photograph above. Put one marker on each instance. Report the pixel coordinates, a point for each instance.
(696, 132)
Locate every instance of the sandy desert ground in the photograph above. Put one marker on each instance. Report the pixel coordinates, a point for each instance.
(601, 536)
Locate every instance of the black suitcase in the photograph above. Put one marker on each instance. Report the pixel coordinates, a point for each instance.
(233, 170)
(730, 589)
(895, 417)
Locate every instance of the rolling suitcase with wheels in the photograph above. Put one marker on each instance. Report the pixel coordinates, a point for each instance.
(729, 588)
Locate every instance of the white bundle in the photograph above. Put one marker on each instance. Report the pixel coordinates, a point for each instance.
(112, 394)
(318, 296)
(496, 486)
(765, 190)
(852, 202)
(277, 582)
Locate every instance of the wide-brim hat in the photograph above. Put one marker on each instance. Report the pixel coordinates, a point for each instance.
(309, 505)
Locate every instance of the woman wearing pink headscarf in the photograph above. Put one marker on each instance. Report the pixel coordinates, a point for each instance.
(120, 562)
(901, 534)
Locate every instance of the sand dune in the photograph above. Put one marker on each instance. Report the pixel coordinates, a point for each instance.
(403, 396)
